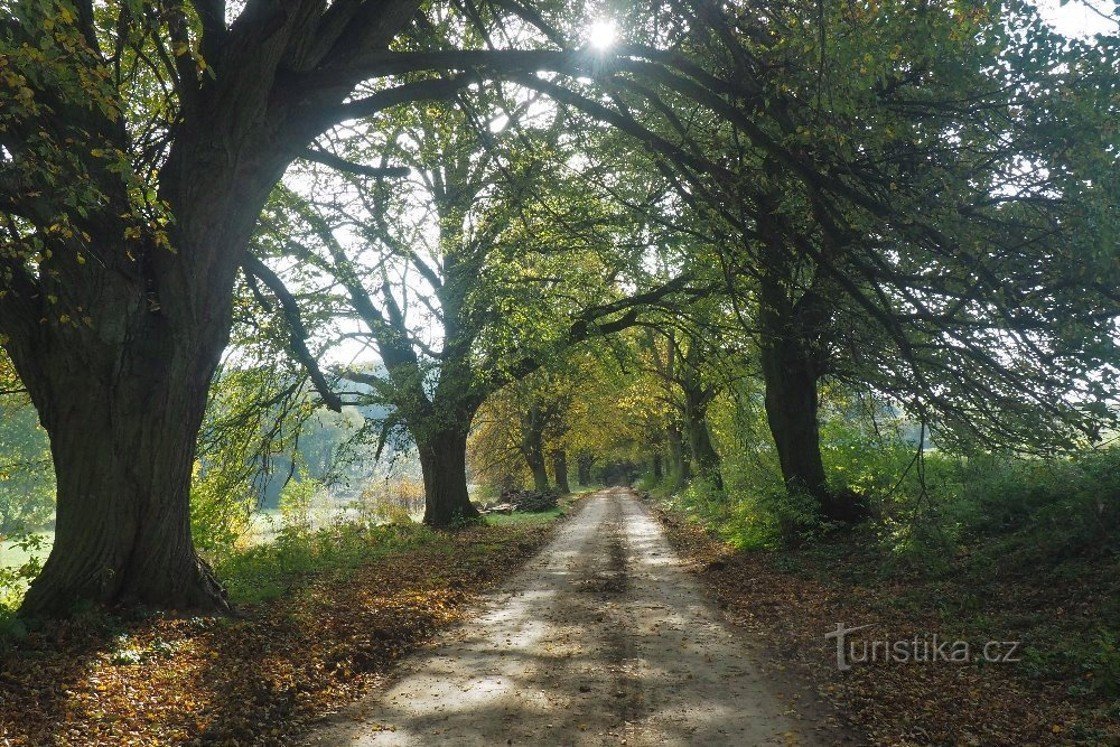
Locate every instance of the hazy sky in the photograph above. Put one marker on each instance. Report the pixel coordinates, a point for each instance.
(1076, 18)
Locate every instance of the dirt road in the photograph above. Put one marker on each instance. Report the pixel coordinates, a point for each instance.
(601, 639)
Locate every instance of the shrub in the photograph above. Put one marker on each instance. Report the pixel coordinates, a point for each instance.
(296, 501)
(222, 503)
(389, 501)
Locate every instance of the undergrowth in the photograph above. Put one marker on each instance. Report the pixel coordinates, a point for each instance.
(995, 545)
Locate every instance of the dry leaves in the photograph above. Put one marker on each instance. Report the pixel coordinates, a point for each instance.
(790, 600)
(256, 678)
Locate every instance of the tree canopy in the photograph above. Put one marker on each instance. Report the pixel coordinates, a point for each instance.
(412, 211)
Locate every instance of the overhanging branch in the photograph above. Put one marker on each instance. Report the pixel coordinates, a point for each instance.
(341, 164)
(298, 332)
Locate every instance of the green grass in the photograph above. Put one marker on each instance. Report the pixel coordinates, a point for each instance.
(270, 570)
(519, 517)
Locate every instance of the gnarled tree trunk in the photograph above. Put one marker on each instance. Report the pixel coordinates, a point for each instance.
(123, 454)
(584, 462)
(443, 461)
(560, 470)
(122, 401)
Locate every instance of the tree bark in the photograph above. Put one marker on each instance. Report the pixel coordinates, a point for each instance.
(560, 470)
(443, 461)
(791, 411)
(584, 461)
(658, 470)
(532, 446)
(790, 341)
(540, 473)
(679, 465)
(122, 415)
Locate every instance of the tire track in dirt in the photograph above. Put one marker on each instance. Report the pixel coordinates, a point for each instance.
(602, 639)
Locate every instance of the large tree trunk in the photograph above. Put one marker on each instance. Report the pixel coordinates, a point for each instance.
(560, 470)
(678, 462)
(584, 461)
(122, 404)
(532, 446)
(791, 411)
(443, 461)
(540, 472)
(790, 334)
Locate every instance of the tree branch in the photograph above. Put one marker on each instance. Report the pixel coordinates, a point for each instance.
(298, 337)
(341, 164)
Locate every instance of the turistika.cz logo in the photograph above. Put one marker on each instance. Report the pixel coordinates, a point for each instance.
(922, 648)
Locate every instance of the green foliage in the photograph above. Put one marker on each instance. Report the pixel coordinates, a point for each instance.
(754, 510)
(1071, 504)
(254, 415)
(1103, 663)
(520, 517)
(221, 508)
(15, 579)
(296, 503)
(27, 487)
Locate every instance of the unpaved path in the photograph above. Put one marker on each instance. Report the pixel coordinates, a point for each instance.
(602, 639)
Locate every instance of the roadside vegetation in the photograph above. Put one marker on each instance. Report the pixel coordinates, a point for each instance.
(837, 282)
(982, 548)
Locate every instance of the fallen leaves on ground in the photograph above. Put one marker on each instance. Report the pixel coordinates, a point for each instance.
(790, 599)
(256, 678)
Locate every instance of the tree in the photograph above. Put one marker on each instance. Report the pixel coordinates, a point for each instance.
(527, 421)
(140, 142)
(491, 260)
(905, 214)
(679, 359)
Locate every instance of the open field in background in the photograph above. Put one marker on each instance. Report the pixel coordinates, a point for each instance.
(265, 526)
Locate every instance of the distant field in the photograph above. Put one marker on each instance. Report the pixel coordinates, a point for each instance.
(13, 557)
(264, 528)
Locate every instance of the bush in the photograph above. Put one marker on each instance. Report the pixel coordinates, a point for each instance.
(27, 488)
(269, 570)
(296, 500)
(389, 502)
(14, 581)
(1069, 504)
(222, 504)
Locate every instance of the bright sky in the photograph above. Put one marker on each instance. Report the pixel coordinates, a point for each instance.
(1077, 17)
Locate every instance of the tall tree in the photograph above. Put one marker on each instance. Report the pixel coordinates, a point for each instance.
(912, 210)
(140, 140)
(489, 261)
